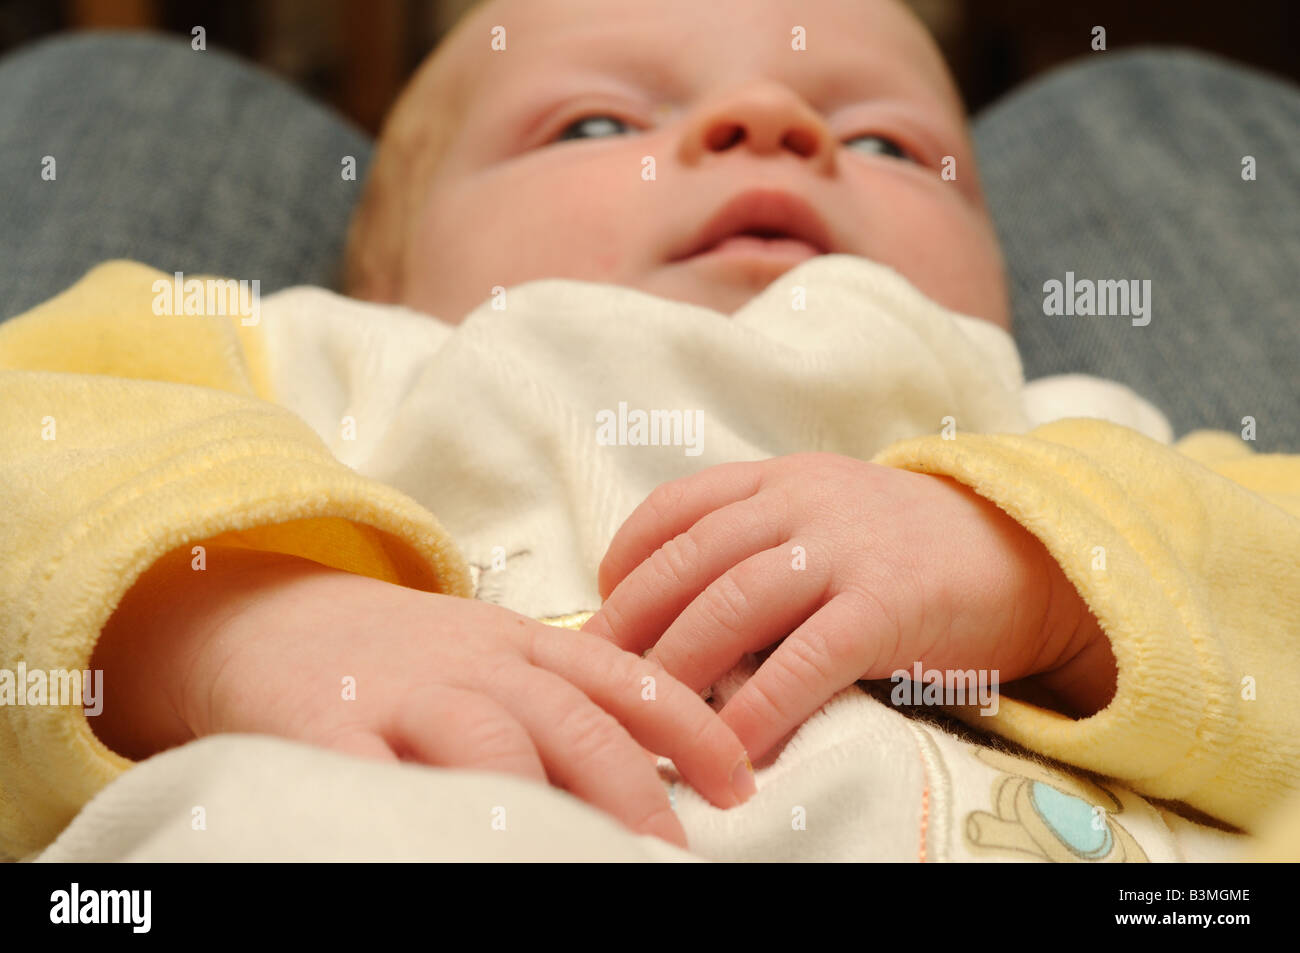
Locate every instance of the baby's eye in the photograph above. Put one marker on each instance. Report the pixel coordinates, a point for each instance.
(599, 123)
(881, 146)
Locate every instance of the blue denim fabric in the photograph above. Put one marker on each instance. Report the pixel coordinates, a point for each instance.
(1124, 165)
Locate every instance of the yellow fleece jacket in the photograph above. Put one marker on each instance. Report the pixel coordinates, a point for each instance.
(126, 435)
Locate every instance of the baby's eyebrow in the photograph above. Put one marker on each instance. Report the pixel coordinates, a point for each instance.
(636, 64)
(836, 81)
(831, 79)
(827, 92)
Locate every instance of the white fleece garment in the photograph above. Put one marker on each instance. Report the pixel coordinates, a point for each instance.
(492, 426)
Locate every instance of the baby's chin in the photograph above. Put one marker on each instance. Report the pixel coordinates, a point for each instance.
(724, 286)
(727, 283)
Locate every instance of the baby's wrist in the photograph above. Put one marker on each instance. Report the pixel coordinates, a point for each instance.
(168, 639)
(256, 597)
(1086, 682)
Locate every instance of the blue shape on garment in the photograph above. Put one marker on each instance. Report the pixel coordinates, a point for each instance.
(1070, 819)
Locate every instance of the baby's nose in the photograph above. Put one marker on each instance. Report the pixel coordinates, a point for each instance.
(765, 117)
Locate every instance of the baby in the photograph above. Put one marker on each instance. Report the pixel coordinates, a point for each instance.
(500, 167)
(695, 153)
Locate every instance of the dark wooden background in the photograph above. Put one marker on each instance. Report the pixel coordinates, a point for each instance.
(356, 54)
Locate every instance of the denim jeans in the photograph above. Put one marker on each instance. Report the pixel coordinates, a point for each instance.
(1120, 166)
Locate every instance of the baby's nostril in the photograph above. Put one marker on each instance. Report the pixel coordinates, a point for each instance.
(722, 138)
(801, 142)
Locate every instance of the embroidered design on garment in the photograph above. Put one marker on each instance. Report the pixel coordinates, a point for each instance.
(1050, 816)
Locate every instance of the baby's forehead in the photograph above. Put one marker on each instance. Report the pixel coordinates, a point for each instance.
(505, 44)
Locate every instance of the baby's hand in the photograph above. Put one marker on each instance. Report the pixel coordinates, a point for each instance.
(269, 644)
(861, 569)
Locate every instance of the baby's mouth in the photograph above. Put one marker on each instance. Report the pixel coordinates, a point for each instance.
(765, 224)
(767, 246)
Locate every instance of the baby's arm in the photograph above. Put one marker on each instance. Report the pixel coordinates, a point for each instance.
(1189, 556)
(1170, 582)
(126, 435)
(264, 643)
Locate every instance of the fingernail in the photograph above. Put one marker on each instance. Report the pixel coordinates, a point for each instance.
(742, 781)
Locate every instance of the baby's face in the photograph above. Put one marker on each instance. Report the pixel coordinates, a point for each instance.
(623, 142)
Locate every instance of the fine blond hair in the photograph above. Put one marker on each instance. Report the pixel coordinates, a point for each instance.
(415, 136)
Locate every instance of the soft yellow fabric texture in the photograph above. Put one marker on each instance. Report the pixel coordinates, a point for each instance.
(1198, 592)
(176, 446)
(1190, 561)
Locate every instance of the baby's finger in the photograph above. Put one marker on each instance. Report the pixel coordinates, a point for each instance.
(670, 509)
(746, 609)
(587, 752)
(658, 710)
(362, 744)
(452, 727)
(836, 646)
(652, 595)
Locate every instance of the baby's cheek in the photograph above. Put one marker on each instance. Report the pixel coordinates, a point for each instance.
(946, 248)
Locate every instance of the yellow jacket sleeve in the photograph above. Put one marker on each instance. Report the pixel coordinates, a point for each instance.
(125, 434)
(1189, 557)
